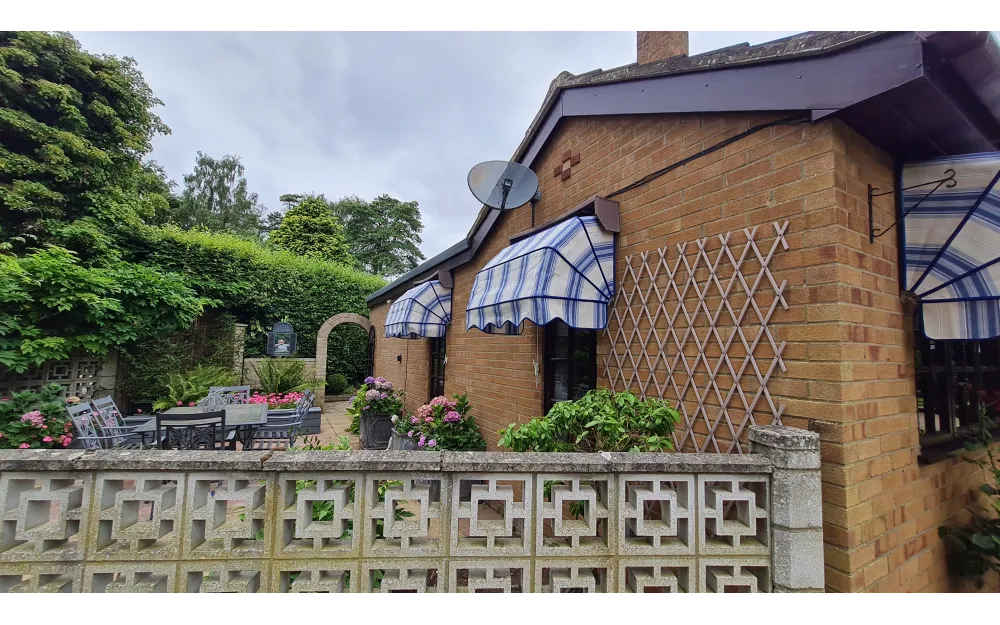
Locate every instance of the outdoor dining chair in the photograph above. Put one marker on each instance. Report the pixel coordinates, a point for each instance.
(113, 422)
(205, 430)
(231, 394)
(93, 434)
(280, 430)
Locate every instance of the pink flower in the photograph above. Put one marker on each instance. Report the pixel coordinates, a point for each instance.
(180, 403)
(410, 434)
(414, 420)
(429, 420)
(190, 403)
(384, 396)
(26, 445)
(45, 427)
(432, 443)
(420, 443)
(34, 417)
(1, 434)
(139, 411)
(452, 417)
(47, 439)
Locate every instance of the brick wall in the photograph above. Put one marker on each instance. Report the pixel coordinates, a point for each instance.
(411, 373)
(848, 352)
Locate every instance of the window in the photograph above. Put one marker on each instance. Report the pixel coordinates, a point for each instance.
(954, 379)
(570, 362)
(438, 359)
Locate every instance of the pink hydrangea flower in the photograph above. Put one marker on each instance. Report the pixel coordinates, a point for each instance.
(47, 439)
(24, 446)
(34, 417)
(429, 420)
(190, 403)
(414, 420)
(410, 434)
(420, 443)
(180, 403)
(452, 417)
(432, 443)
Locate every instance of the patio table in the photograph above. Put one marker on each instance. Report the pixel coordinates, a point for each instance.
(242, 418)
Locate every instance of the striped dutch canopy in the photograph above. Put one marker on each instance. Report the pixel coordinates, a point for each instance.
(423, 311)
(563, 272)
(952, 244)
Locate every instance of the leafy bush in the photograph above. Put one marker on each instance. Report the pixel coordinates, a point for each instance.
(337, 384)
(347, 353)
(189, 387)
(30, 420)
(443, 424)
(282, 375)
(974, 550)
(601, 420)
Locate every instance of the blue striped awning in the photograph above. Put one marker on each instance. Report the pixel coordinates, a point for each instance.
(423, 311)
(563, 272)
(952, 244)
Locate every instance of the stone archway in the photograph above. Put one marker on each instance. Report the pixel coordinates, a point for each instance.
(323, 336)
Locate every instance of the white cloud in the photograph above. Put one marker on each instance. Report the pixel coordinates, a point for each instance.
(363, 113)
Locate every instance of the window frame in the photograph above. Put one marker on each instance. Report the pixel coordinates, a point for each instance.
(948, 375)
(437, 351)
(575, 337)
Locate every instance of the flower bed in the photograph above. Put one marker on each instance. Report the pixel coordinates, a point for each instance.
(276, 401)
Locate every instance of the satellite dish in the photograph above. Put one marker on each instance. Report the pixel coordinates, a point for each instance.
(502, 184)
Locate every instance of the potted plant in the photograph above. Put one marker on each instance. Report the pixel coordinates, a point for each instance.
(376, 403)
(403, 432)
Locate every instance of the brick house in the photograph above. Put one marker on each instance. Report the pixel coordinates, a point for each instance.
(748, 280)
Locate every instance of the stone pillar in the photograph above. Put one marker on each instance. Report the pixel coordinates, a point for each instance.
(239, 344)
(796, 506)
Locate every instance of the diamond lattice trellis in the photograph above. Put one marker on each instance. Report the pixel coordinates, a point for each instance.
(694, 329)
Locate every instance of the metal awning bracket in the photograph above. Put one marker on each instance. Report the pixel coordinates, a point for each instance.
(948, 181)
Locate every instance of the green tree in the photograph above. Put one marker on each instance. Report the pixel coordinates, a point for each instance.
(383, 234)
(74, 128)
(309, 229)
(216, 198)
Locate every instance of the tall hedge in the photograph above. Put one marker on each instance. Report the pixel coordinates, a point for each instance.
(259, 285)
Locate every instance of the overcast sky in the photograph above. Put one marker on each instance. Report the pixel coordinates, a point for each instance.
(406, 114)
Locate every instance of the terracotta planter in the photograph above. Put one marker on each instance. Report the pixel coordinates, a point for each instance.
(376, 430)
(400, 442)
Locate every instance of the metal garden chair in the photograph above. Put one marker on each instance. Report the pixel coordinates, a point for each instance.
(112, 422)
(206, 430)
(281, 430)
(91, 433)
(231, 394)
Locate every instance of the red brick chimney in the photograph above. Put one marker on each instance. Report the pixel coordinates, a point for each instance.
(657, 45)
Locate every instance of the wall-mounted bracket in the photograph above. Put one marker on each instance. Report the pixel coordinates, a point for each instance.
(948, 181)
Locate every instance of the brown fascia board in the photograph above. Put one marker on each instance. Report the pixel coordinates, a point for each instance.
(606, 211)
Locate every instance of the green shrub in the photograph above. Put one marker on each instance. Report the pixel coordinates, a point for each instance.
(973, 550)
(282, 375)
(189, 387)
(601, 420)
(337, 384)
(28, 418)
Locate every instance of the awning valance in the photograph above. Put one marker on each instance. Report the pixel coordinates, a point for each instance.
(951, 230)
(423, 311)
(563, 272)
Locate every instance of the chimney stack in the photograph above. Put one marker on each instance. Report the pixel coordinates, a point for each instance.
(658, 45)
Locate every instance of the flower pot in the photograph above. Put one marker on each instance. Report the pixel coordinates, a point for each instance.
(400, 442)
(376, 430)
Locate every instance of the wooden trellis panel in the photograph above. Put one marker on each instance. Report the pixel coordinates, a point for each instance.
(692, 327)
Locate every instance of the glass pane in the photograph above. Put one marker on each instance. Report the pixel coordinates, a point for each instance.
(560, 381)
(560, 339)
(583, 345)
(584, 380)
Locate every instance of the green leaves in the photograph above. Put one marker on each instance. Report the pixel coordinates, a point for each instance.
(310, 229)
(600, 421)
(383, 235)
